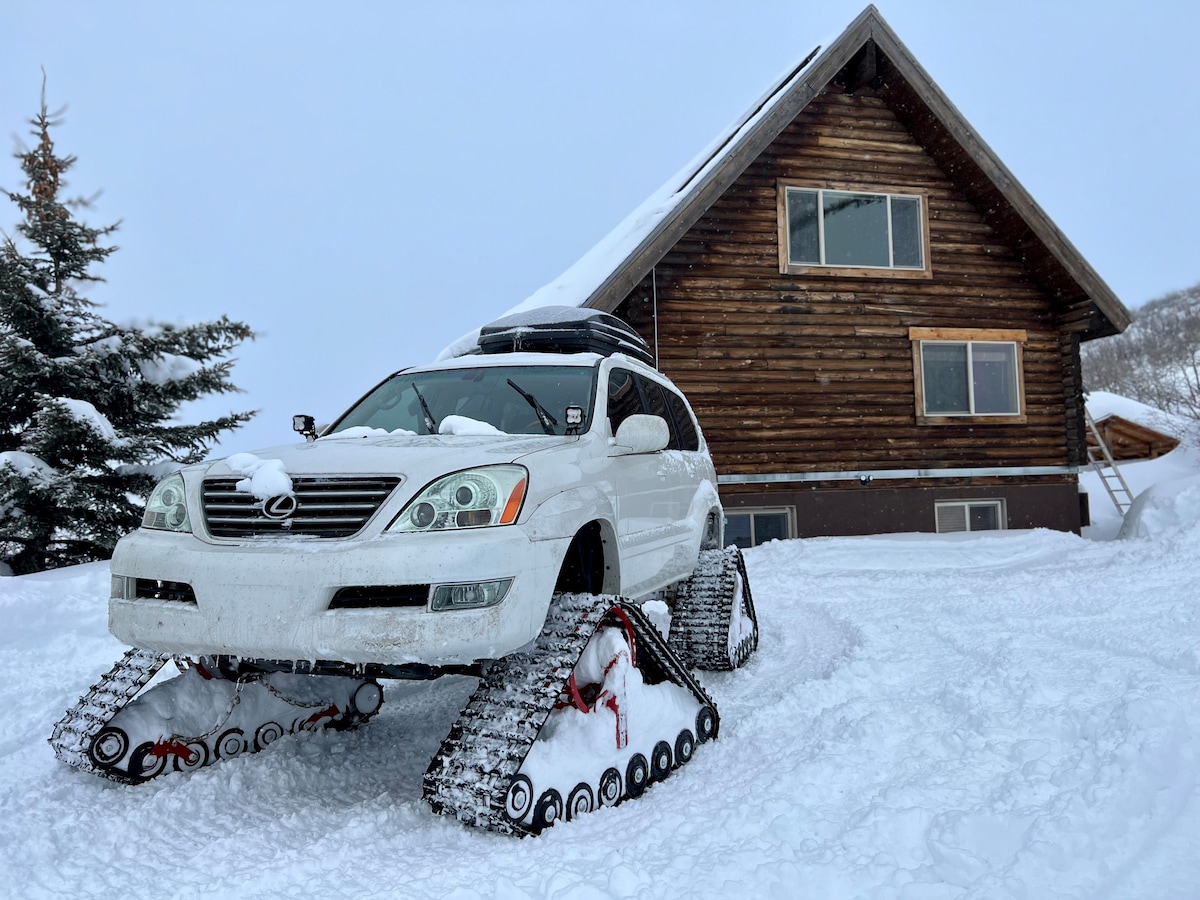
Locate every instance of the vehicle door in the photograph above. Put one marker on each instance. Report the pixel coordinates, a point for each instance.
(647, 503)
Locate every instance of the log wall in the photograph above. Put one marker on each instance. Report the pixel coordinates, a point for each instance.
(814, 372)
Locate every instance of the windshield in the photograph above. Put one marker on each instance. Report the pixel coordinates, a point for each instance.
(512, 399)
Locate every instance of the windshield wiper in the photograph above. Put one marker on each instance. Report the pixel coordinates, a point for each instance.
(548, 421)
(430, 421)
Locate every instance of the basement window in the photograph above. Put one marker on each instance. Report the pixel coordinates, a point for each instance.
(851, 231)
(969, 515)
(751, 527)
(968, 373)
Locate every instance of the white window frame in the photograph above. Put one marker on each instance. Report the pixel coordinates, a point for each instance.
(998, 505)
(788, 511)
(788, 266)
(969, 336)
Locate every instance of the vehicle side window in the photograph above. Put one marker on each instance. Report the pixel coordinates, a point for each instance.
(689, 439)
(656, 405)
(624, 400)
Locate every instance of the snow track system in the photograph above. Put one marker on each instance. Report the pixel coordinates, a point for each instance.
(713, 624)
(599, 707)
(197, 717)
(593, 713)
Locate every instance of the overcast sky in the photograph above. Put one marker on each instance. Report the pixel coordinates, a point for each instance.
(364, 182)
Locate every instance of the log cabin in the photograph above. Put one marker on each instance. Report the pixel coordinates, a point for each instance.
(877, 326)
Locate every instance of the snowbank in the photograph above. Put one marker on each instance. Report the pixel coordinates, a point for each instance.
(1000, 715)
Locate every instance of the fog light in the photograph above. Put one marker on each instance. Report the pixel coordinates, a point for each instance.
(119, 590)
(472, 595)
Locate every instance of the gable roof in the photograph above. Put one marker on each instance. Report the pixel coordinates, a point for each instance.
(867, 51)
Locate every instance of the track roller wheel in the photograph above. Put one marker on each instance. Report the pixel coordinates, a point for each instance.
(660, 761)
(580, 800)
(706, 724)
(267, 734)
(549, 810)
(196, 758)
(231, 743)
(367, 699)
(108, 747)
(610, 787)
(637, 775)
(519, 799)
(685, 746)
(143, 763)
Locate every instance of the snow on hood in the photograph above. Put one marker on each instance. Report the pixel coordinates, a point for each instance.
(459, 425)
(375, 453)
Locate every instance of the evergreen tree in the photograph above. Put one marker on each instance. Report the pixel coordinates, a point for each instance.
(85, 405)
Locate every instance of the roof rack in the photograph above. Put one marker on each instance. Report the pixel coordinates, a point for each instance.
(564, 329)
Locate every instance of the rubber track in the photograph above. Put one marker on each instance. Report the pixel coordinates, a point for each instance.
(72, 735)
(470, 775)
(703, 612)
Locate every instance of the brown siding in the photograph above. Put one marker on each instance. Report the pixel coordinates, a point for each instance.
(812, 373)
(885, 508)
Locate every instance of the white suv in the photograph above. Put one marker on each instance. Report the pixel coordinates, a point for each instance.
(429, 526)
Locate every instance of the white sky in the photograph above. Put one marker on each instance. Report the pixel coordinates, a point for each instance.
(364, 183)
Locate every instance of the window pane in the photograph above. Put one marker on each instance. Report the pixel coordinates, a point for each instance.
(770, 527)
(803, 240)
(656, 405)
(689, 439)
(944, 378)
(951, 517)
(623, 398)
(737, 530)
(985, 517)
(994, 369)
(906, 232)
(855, 229)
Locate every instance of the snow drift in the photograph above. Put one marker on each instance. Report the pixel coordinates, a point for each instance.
(999, 715)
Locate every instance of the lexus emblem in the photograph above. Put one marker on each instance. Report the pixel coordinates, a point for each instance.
(279, 507)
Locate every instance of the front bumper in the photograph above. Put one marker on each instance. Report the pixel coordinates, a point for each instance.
(270, 599)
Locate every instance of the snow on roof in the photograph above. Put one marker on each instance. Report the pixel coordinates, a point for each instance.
(574, 286)
(1102, 404)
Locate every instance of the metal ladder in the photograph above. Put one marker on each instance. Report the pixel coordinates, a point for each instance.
(1106, 467)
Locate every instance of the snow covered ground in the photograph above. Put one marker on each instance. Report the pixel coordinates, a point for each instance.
(1002, 715)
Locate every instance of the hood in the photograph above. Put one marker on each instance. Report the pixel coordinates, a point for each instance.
(413, 456)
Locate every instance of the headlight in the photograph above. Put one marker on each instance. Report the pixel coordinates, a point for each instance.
(475, 498)
(166, 510)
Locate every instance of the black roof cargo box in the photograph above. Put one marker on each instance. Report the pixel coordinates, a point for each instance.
(563, 329)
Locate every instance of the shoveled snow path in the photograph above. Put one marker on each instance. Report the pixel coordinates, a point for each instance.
(1011, 715)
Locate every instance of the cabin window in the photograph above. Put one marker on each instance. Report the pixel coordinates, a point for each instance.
(969, 515)
(849, 231)
(975, 373)
(751, 527)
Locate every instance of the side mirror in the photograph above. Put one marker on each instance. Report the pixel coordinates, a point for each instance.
(306, 426)
(641, 434)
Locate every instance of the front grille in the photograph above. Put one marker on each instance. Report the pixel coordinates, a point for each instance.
(380, 596)
(153, 589)
(325, 507)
